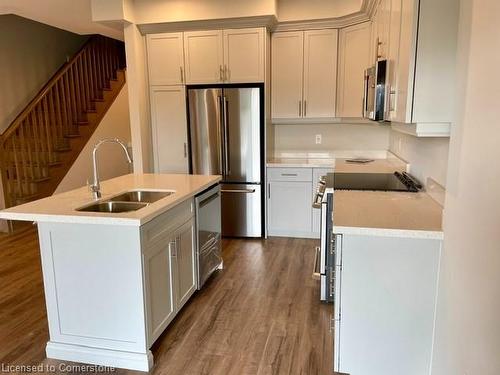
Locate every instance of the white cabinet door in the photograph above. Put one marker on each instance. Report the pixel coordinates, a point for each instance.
(165, 59)
(169, 126)
(286, 74)
(244, 54)
(406, 61)
(204, 56)
(392, 59)
(353, 60)
(185, 270)
(289, 208)
(316, 213)
(158, 273)
(320, 73)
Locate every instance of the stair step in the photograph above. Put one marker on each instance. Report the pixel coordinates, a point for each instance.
(62, 149)
(91, 110)
(82, 122)
(72, 135)
(99, 100)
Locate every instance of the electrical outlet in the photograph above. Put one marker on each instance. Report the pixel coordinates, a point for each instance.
(318, 139)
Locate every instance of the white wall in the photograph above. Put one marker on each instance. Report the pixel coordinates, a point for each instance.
(343, 137)
(468, 324)
(112, 160)
(31, 53)
(293, 10)
(428, 157)
(157, 11)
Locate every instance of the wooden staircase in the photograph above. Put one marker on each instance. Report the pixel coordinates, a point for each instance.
(41, 144)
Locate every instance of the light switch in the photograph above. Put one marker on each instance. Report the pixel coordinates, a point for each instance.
(318, 139)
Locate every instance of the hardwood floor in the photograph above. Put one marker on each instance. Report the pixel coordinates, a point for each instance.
(260, 315)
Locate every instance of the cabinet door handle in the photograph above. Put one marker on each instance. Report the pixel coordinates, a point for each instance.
(173, 248)
(221, 74)
(182, 74)
(226, 73)
(305, 108)
(289, 174)
(185, 150)
(300, 108)
(269, 191)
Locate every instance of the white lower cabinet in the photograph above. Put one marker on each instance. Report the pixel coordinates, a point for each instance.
(289, 201)
(169, 267)
(289, 208)
(385, 298)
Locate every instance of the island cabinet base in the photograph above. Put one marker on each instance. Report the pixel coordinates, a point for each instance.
(111, 290)
(101, 357)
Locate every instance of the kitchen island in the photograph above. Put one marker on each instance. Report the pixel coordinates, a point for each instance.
(387, 248)
(114, 280)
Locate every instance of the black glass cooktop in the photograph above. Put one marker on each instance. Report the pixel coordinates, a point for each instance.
(375, 181)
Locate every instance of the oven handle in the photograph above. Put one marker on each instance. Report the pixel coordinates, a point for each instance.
(317, 269)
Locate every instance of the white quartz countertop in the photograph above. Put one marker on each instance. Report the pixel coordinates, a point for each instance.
(61, 207)
(398, 214)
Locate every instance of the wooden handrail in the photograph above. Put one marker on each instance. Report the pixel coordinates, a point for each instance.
(50, 83)
(33, 140)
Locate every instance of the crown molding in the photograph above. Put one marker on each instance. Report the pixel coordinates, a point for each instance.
(365, 14)
(324, 23)
(222, 23)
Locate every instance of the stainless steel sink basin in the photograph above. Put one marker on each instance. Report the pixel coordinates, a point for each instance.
(113, 207)
(146, 196)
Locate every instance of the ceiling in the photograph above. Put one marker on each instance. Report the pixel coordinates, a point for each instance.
(70, 15)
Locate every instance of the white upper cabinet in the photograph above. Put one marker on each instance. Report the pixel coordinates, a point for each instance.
(392, 59)
(225, 56)
(204, 56)
(165, 59)
(287, 59)
(168, 118)
(425, 70)
(304, 74)
(354, 58)
(244, 55)
(320, 73)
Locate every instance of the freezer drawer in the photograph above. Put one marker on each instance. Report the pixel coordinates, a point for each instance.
(241, 210)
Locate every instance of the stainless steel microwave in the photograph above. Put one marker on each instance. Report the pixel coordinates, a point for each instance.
(374, 91)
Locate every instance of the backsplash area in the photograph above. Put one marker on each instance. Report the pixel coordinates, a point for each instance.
(299, 138)
(428, 157)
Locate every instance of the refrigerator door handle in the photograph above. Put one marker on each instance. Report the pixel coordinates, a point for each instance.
(240, 191)
(221, 135)
(225, 106)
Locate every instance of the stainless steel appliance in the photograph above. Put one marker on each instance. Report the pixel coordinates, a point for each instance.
(374, 94)
(208, 237)
(324, 265)
(225, 139)
(325, 254)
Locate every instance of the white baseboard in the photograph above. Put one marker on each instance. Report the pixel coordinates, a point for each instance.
(279, 233)
(101, 357)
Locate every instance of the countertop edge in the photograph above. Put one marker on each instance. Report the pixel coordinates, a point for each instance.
(99, 220)
(389, 232)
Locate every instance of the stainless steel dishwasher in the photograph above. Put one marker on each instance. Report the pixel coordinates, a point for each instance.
(208, 239)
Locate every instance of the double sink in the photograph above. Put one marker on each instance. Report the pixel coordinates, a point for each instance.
(129, 201)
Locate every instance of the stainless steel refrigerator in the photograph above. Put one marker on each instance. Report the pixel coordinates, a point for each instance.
(225, 139)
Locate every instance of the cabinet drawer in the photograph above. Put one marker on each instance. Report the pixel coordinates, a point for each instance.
(289, 174)
(161, 226)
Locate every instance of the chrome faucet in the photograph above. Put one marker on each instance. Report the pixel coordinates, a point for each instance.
(95, 188)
